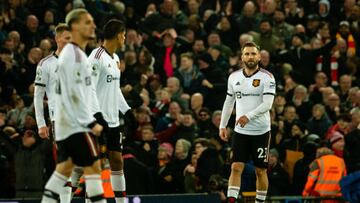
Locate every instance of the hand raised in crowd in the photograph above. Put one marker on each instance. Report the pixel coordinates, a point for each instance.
(44, 132)
(97, 129)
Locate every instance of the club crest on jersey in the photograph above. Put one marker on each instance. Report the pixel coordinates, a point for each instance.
(256, 82)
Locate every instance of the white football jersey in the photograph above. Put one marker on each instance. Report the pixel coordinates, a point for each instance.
(253, 96)
(45, 83)
(73, 93)
(105, 74)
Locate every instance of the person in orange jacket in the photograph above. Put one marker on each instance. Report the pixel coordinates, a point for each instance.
(325, 174)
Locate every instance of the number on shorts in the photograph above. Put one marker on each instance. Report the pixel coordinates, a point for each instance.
(262, 153)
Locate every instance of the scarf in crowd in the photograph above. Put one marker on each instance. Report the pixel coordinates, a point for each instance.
(333, 67)
(167, 62)
(350, 42)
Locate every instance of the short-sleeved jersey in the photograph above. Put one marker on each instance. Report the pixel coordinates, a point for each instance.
(105, 74)
(45, 77)
(248, 91)
(73, 93)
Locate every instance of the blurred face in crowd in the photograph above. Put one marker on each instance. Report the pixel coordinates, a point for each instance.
(198, 46)
(168, 7)
(333, 100)
(45, 46)
(296, 131)
(168, 40)
(279, 101)
(172, 85)
(49, 17)
(279, 16)
(317, 112)
(35, 54)
(296, 41)
(273, 159)
(324, 31)
(342, 124)
(131, 36)
(188, 120)
(249, 9)
(186, 63)
(344, 30)
(199, 148)
(339, 145)
(300, 93)
(196, 101)
(265, 28)
(147, 134)
(179, 150)
(265, 58)
(203, 116)
(225, 24)
(270, 6)
(15, 37)
(251, 57)
(345, 83)
(174, 109)
(290, 113)
(216, 118)
(28, 139)
(214, 39)
(193, 6)
(320, 79)
(32, 23)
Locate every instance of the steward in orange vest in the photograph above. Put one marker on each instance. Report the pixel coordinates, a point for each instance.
(325, 174)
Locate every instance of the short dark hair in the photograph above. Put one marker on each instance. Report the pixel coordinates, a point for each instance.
(112, 28)
(250, 44)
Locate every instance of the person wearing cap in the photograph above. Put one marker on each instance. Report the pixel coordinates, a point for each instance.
(164, 179)
(337, 144)
(278, 177)
(344, 33)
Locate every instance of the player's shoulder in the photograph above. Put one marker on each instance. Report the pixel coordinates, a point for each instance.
(266, 74)
(47, 60)
(97, 53)
(236, 73)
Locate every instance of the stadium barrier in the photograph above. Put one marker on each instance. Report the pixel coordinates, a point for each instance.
(175, 198)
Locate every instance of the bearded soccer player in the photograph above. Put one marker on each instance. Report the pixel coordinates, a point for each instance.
(75, 126)
(45, 83)
(252, 89)
(105, 67)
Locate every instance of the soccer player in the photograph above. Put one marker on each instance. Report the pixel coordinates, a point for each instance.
(45, 83)
(75, 125)
(252, 89)
(105, 67)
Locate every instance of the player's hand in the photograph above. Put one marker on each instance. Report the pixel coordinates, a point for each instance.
(223, 134)
(97, 129)
(44, 132)
(243, 120)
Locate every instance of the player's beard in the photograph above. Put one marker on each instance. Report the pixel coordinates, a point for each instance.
(251, 65)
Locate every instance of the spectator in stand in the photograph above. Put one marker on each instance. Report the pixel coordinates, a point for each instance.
(341, 125)
(179, 162)
(278, 177)
(301, 102)
(196, 103)
(352, 150)
(315, 90)
(290, 116)
(266, 39)
(191, 79)
(319, 123)
(165, 179)
(177, 93)
(173, 114)
(147, 148)
(333, 107)
(31, 34)
(345, 83)
(337, 144)
(282, 28)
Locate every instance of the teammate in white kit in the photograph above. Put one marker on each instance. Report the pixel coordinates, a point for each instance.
(252, 89)
(74, 121)
(45, 83)
(105, 67)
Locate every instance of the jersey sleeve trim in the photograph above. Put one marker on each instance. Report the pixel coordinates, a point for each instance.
(268, 93)
(229, 94)
(40, 84)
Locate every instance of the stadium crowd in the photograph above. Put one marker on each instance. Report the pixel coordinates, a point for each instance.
(175, 65)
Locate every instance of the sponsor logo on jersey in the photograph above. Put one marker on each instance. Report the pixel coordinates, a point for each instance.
(110, 78)
(256, 82)
(272, 85)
